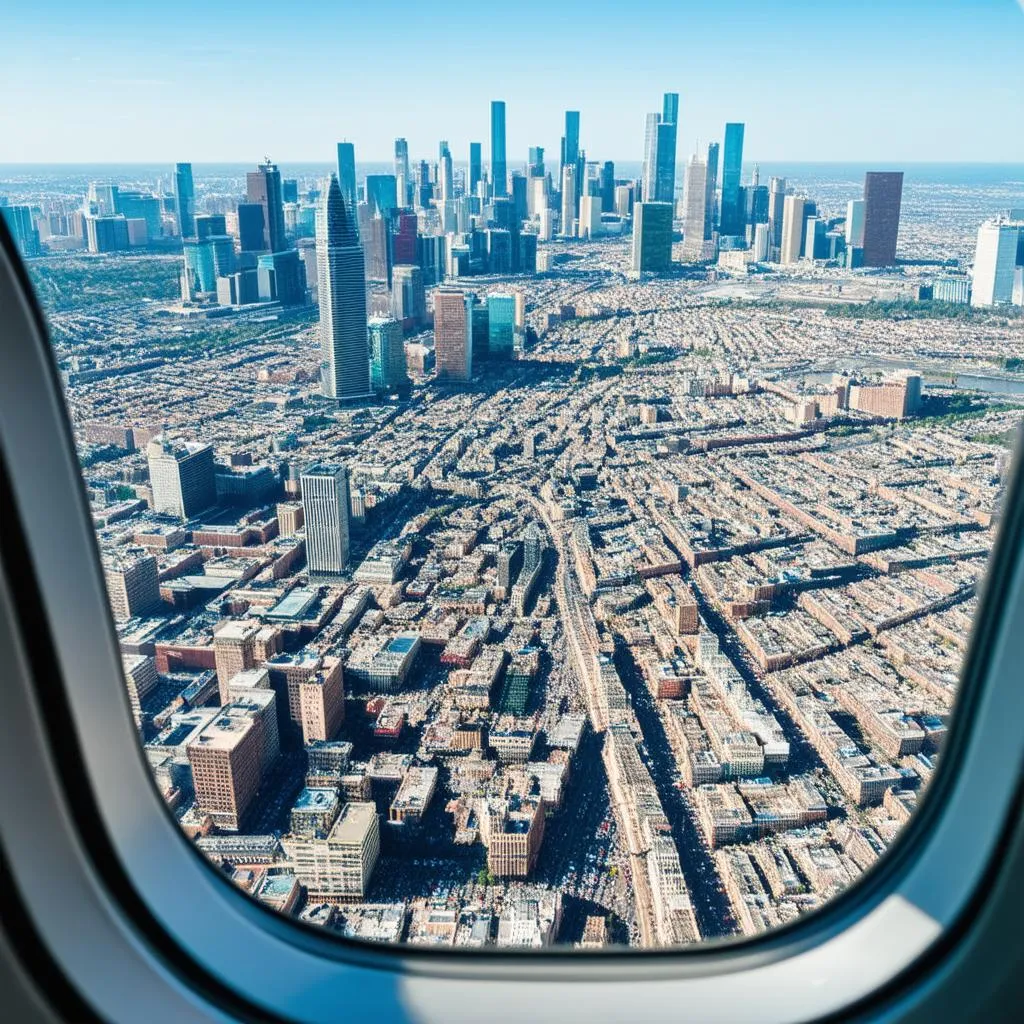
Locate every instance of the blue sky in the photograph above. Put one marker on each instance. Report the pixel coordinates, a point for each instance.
(896, 80)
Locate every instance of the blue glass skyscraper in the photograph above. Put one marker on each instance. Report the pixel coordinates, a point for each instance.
(501, 325)
(185, 200)
(474, 167)
(347, 173)
(499, 166)
(731, 222)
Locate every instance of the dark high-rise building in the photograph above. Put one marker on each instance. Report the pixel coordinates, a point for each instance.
(711, 215)
(571, 152)
(731, 220)
(475, 164)
(185, 199)
(403, 237)
(263, 186)
(883, 196)
(281, 277)
(607, 190)
(499, 167)
(755, 204)
(652, 237)
(341, 291)
(251, 227)
(347, 173)
(207, 224)
(290, 190)
(519, 196)
(536, 162)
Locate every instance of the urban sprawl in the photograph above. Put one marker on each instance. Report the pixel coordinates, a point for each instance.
(524, 555)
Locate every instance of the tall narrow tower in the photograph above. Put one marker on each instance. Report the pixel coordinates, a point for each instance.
(341, 288)
(499, 167)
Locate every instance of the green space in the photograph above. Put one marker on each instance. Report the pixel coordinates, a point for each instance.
(76, 282)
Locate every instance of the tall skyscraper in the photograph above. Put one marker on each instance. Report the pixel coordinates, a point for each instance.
(732, 171)
(185, 199)
(999, 254)
(446, 178)
(793, 227)
(695, 209)
(883, 195)
(263, 186)
(855, 224)
(776, 202)
(608, 186)
(670, 108)
(571, 149)
(711, 218)
(347, 173)
(536, 162)
(475, 164)
(499, 168)
(453, 334)
(387, 354)
(649, 171)
(341, 291)
(251, 227)
(652, 237)
(181, 477)
(325, 510)
(568, 200)
(402, 158)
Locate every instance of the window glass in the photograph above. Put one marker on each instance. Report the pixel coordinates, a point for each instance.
(525, 542)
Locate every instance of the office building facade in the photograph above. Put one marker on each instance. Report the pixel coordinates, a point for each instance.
(453, 335)
(341, 293)
(652, 238)
(325, 511)
(883, 196)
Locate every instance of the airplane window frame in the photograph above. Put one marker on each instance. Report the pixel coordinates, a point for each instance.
(115, 853)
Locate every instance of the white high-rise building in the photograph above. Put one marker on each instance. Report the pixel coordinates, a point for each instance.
(793, 223)
(855, 223)
(568, 200)
(996, 260)
(547, 228)
(695, 210)
(760, 247)
(182, 477)
(341, 293)
(590, 216)
(325, 508)
(537, 196)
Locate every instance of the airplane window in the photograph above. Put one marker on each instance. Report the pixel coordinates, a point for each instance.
(567, 532)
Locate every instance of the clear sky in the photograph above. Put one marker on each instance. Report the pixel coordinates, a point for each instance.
(893, 80)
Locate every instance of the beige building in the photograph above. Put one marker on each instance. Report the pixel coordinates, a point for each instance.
(338, 868)
(226, 759)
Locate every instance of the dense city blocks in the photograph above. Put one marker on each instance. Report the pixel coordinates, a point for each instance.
(515, 553)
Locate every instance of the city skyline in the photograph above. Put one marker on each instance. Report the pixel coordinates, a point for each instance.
(955, 77)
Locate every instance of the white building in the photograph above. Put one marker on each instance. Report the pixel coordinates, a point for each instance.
(996, 260)
(325, 505)
(855, 223)
(340, 866)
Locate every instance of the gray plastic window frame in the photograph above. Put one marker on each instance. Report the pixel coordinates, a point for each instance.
(186, 945)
